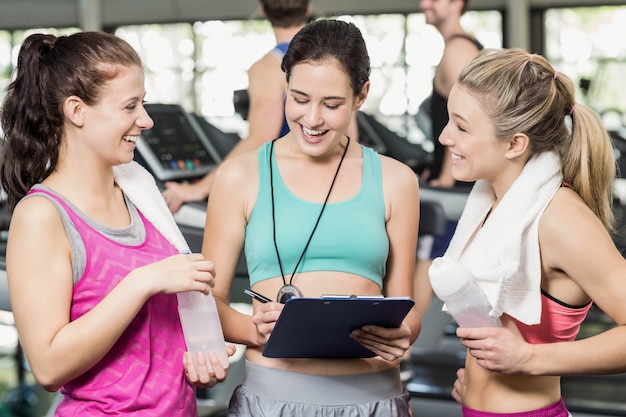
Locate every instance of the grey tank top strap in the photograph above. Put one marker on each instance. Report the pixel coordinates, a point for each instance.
(134, 234)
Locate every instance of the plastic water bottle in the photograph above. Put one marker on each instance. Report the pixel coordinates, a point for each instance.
(201, 326)
(452, 282)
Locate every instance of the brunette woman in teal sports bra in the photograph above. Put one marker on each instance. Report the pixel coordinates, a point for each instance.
(317, 213)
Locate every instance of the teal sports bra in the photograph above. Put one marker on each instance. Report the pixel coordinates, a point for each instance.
(351, 236)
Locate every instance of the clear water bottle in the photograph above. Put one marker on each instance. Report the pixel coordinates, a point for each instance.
(452, 282)
(201, 326)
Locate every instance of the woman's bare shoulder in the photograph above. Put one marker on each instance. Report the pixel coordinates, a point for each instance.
(396, 171)
(239, 168)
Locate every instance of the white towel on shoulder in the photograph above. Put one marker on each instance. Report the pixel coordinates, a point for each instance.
(141, 189)
(503, 255)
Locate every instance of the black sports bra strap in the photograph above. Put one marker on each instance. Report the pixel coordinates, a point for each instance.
(473, 40)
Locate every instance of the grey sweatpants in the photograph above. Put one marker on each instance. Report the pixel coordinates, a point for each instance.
(276, 392)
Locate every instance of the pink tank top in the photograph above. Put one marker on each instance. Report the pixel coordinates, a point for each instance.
(559, 322)
(142, 374)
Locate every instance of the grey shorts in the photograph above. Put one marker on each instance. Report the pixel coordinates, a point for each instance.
(276, 392)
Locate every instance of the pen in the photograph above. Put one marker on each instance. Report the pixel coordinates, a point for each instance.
(257, 296)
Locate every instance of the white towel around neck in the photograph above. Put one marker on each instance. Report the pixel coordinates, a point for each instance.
(141, 189)
(503, 256)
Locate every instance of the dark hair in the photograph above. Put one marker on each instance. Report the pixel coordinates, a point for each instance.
(50, 69)
(330, 39)
(286, 13)
(523, 93)
(465, 6)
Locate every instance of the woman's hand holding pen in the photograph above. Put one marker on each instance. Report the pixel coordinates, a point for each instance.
(388, 343)
(264, 318)
(265, 315)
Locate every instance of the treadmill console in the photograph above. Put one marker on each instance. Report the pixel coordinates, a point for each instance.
(176, 148)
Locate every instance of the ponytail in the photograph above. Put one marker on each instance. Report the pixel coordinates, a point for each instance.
(31, 145)
(588, 163)
(49, 70)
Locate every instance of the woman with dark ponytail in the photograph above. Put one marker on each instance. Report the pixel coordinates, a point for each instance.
(92, 280)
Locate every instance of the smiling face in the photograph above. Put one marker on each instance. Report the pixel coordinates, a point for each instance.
(112, 125)
(470, 136)
(320, 104)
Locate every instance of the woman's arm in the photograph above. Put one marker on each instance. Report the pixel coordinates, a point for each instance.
(40, 282)
(573, 241)
(224, 235)
(401, 191)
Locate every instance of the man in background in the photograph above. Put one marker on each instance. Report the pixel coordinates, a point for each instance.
(266, 91)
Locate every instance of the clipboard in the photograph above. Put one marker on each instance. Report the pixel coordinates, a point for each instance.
(320, 327)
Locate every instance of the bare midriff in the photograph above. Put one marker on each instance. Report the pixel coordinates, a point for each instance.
(495, 392)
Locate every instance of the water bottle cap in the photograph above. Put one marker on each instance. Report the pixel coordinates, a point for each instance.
(447, 276)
